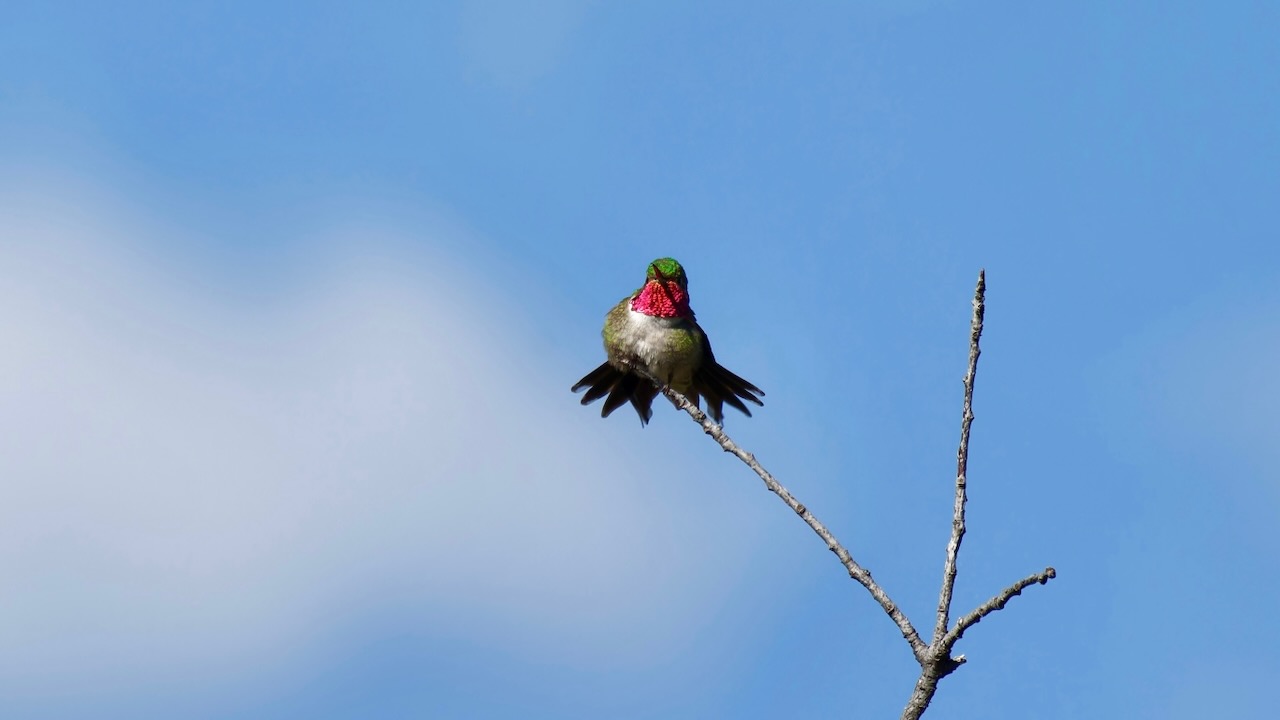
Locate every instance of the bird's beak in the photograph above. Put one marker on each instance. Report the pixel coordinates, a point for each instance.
(663, 282)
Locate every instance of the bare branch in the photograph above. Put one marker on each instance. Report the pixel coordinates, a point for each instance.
(936, 661)
(856, 571)
(962, 462)
(996, 603)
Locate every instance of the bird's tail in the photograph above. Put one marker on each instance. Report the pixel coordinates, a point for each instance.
(712, 381)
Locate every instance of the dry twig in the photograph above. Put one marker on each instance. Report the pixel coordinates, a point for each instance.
(935, 657)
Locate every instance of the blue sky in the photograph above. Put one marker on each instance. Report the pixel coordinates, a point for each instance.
(293, 299)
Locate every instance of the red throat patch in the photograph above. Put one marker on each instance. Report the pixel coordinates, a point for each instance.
(662, 299)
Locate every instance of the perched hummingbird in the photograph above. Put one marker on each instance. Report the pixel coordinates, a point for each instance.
(654, 329)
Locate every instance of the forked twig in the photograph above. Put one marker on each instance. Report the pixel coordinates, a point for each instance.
(935, 657)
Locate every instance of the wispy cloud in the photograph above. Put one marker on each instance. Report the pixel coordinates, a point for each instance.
(210, 483)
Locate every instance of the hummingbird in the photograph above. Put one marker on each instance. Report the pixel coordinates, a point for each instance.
(654, 329)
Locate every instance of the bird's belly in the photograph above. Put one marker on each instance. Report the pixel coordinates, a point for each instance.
(668, 347)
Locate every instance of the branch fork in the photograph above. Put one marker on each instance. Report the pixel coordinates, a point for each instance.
(934, 657)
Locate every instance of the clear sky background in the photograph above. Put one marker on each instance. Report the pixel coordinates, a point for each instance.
(292, 297)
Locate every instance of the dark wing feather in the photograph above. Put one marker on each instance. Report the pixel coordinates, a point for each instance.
(642, 400)
(620, 394)
(617, 387)
(592, 378)
(721, 386)
(598, 383)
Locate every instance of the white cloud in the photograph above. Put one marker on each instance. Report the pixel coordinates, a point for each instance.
(209, 483)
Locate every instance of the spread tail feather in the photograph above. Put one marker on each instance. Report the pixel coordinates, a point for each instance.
(712, 382)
